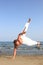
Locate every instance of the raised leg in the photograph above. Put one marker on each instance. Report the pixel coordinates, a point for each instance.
(26, 25)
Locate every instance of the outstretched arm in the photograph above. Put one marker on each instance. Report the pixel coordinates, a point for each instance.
(14, 53)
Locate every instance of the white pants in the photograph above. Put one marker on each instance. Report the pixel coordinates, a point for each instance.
(26, 40)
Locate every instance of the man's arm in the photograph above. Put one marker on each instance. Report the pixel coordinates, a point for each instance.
(14, 53)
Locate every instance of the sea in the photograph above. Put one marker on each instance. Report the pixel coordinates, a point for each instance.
(7, 48)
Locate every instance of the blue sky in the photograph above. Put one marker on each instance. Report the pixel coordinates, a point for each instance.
(15, 13)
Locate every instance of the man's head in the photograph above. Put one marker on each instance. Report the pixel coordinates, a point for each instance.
(16, 43)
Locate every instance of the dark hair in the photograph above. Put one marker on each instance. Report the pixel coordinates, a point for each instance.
(14, 41)
(15, 45)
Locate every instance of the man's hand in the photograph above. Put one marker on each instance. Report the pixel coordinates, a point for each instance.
(29, 20)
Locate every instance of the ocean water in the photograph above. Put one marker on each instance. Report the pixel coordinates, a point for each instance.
(6, 48)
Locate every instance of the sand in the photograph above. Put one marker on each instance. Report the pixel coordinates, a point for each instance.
(22, 60)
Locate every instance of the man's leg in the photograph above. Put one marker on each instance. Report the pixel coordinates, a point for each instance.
(38, 45)
(30, 42)
(26, 26)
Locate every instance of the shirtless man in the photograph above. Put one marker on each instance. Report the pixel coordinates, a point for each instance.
(23, 39)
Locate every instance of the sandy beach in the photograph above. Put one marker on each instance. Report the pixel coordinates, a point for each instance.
(22, 60)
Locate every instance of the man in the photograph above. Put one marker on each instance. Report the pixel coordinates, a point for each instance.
(23, 39)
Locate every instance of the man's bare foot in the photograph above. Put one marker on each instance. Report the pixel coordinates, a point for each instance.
(38, 45)
(29, 20)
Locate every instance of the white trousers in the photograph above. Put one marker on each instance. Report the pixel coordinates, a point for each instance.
(27, 40)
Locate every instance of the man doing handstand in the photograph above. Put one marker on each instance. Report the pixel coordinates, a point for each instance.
(23, 39)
